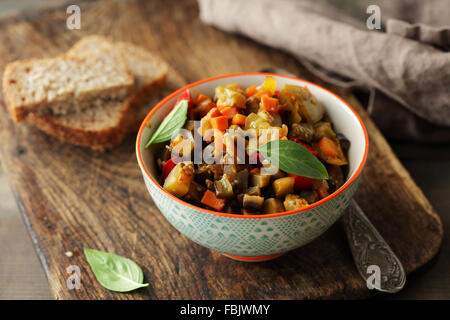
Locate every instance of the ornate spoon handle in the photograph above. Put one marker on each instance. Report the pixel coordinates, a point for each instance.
(371, 253)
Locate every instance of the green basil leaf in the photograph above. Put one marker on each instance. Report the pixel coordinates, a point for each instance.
(171, 123)
(294, 158)
(114, 272)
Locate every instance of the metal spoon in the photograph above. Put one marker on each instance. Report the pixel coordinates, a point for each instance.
(374, 259)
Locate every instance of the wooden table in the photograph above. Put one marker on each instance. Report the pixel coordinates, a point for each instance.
(137, 21)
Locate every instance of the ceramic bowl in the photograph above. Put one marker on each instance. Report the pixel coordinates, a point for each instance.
(255, 237)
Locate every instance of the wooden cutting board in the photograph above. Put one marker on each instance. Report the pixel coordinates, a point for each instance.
(72, 198)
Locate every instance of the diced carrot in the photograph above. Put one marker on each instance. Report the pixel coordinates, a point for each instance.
(322, 192)
(269, 104)
(254, 171)
(239, 119)
(328, 147)
(219, 145)
(203, 108)
(229, 112)
(250, 91)
(201, 97)
(209, 199)
(214, 112)
(220, 123)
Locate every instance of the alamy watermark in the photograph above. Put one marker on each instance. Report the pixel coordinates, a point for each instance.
(374, 20)
(73, 21)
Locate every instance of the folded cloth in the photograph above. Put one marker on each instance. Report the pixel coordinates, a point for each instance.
(414, 74)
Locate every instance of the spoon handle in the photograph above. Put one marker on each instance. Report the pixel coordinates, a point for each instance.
(371, 252)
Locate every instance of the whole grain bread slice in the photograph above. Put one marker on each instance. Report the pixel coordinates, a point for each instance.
(105, 125)
(65, 84)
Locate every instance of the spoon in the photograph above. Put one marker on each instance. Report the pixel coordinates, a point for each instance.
(373, 257)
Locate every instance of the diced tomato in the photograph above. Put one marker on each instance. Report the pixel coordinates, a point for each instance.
(168, 166)
(186, 96)
(269, 104)
(307, 146)
(322, 192)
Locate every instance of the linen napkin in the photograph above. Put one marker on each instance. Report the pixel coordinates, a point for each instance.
(408, 64)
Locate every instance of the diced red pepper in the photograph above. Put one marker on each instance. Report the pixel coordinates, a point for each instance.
(255, 158)
(168, 166)
(186, 96)
(302, 183)
(307, 146)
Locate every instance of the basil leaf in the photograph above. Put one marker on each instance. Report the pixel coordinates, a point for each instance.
(114, 272)
(294, 158)
(171, 123)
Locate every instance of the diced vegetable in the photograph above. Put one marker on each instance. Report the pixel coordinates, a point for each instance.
(269, 104)
(328, 147)
(219, 123)
(251, 91)
(224, 189)
(294, 202)
(301, 182)
(254, 191)
(273, 205)
(335, 177)
(186, 95)
(260, 180)
(283, 186)
(323, 129)
(238, 119)
(168, 166)
(309, 195)
(195, 192)
(322, 192)
(253, 203)
(303, 131)
(229, 112)
(209, 199)
(214, 112)
(269, 84)
(230, 97)
(179, 179)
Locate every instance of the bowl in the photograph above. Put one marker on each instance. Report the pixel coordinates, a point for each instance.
(255, 237)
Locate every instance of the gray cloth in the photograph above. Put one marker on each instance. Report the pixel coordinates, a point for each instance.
(409, 63)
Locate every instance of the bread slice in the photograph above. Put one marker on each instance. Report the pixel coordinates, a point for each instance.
(145, 67)
(105, 125)
(65, 84)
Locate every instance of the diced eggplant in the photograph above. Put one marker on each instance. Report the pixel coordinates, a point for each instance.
(294, 202)
(310, 196)
(252, 203)
(302, 131)
(254, 191)
(260, 180)
(240, 184)
(179, 179)
(324, 129)
(335, 177)
(224, 189)
(344, 142)
(195, 192)
(273, 205)
(320, 183)
(283, 186)
(252, 105)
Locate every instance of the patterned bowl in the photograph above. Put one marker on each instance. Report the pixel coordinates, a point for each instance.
(255, 237)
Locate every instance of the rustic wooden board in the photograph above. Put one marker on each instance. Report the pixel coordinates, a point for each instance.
(71, 197)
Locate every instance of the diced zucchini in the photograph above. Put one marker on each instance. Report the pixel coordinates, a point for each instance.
(224, 189)
(253, 203)
(260, 180)
(283, 186)
(273, 205)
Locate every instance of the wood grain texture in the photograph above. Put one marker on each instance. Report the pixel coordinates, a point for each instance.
(72, 197)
